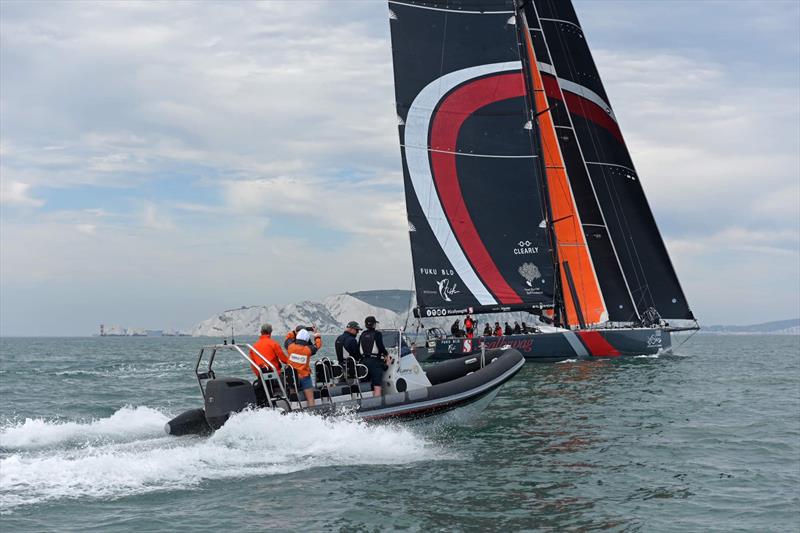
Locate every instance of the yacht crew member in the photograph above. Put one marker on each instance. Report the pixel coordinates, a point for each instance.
(469, 326)
(498, 331)
(487, 331)
(269, 349)
(517, 329)
(374, 353)
(455, 330)
(300, 350)
(508, 330)
(347, 342)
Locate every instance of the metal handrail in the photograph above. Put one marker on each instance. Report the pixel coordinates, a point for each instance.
(237, 348)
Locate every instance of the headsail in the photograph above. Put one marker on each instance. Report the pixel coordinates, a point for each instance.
(628, 253)
(479, 240)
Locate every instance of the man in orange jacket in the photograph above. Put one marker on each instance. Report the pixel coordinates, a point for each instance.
(300, 351)
(269, 349)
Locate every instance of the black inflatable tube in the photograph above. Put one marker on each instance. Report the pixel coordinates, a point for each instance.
(455, 368)
(502, 363)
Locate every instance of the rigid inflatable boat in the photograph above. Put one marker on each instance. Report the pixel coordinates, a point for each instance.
(464, 385)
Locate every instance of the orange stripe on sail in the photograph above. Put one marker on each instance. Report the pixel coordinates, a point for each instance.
(569, 236)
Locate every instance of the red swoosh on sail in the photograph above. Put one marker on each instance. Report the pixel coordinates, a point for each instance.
(452, 112)
(581, 106)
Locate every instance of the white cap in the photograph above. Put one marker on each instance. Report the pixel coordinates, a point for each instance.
(303, 335)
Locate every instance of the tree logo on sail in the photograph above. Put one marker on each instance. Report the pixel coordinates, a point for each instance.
(530, 272)
(445, 290)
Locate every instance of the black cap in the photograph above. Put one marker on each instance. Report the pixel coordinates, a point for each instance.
(370, 321)
(353, 324)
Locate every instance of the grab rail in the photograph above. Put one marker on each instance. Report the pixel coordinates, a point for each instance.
(209, 374)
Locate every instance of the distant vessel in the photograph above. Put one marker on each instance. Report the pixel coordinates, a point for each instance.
(520, 191)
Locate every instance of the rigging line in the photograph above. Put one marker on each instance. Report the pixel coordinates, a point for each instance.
(688, 338)
(529, 156)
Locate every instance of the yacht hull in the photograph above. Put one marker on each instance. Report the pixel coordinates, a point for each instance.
(559, 345)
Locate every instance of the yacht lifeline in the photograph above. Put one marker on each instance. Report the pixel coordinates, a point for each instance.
(520, 191)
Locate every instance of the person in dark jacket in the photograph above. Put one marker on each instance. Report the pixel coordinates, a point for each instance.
(487, 331)
(517, 329)
(347, 342)
(508, 330)
(524, 328)
(455, 330)
(373, 353)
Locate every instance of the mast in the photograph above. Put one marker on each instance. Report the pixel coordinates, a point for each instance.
(559, 308)
(584, 302)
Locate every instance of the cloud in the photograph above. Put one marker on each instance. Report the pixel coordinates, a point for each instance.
(188, 157)
(355, 208)
(17, 193)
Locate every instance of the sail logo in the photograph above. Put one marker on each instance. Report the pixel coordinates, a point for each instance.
(655, 340)
(445, 290)
(530, 272)
(525, 248)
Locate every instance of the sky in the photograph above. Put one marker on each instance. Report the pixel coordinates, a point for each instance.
(163, 161)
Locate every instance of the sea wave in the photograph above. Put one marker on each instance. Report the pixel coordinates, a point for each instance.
(252, 443)
(125, 424)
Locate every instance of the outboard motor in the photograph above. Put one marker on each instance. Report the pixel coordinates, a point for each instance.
(225, 396)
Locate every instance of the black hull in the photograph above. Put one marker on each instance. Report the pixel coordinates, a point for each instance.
(560, 345)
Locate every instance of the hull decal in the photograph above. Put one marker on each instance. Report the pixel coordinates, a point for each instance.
(575, 343)
(597, 344)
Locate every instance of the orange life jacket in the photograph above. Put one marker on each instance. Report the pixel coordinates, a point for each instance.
(300, 353)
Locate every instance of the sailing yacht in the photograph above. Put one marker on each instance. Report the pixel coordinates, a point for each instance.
(520, 192)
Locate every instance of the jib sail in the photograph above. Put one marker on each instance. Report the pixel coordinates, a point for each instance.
(479, 238)
(628, 253)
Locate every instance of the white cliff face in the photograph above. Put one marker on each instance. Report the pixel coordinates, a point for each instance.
(330, 316)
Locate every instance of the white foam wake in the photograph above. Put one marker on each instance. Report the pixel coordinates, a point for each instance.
(250, 444)
(126, 424)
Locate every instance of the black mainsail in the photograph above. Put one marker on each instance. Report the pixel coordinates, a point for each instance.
(476, 213)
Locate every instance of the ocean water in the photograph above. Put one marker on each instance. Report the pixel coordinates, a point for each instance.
(704, 440)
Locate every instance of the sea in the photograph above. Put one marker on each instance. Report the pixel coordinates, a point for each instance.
(707, 439)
